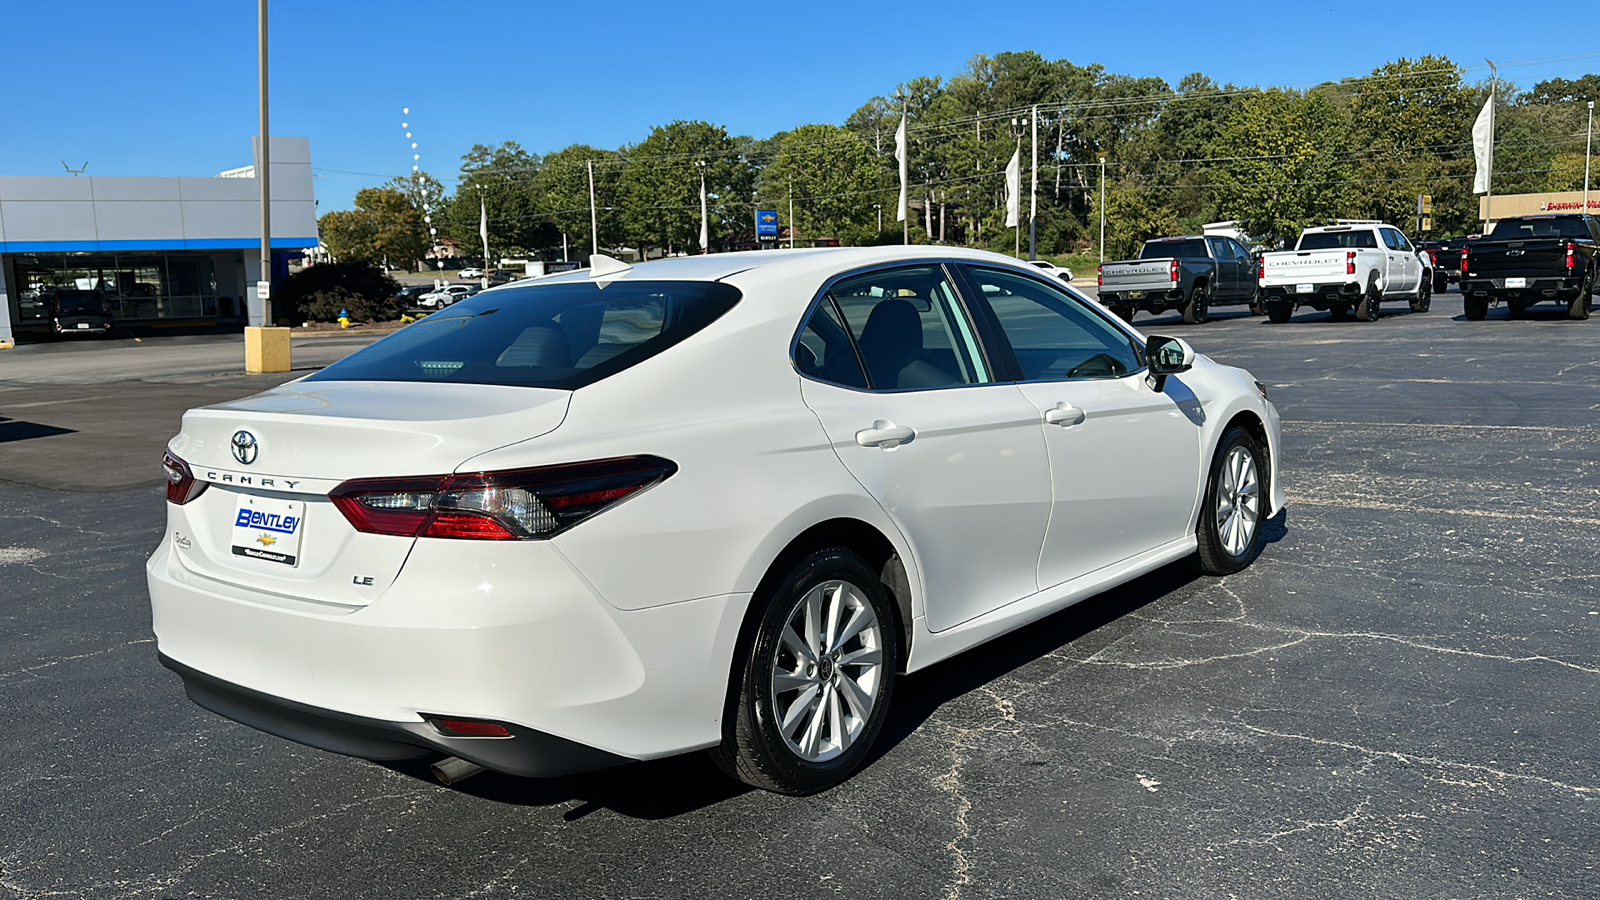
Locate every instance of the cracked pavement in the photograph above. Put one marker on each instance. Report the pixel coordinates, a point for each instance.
(1398, 699)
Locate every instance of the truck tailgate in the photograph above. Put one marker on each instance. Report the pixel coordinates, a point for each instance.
(1541, 258)
(1137, 275)
(1303, 267)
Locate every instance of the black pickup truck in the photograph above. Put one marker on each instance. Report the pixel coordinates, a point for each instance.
(1189, 273)
(1527, 259)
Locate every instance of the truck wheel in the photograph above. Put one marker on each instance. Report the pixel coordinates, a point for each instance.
(1279, 311)
(1578, 307)
(1198, 309)
(1424, 298)
(1367, 309)
(1257, 306)
(1475, 308)
(1441, 281)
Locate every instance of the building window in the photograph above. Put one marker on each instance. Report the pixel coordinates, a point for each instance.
(149, 286)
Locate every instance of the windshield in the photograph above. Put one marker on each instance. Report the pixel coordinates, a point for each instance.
(1188, 249)
(1553, 227)
(1336, 240)
(561, 336)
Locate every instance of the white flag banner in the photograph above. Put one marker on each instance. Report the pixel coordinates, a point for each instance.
(1483, 146)
(705, 232)
(900, 154)
(1014, 190)
(483, 228)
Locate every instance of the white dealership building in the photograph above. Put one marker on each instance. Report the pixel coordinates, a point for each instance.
(161, 251)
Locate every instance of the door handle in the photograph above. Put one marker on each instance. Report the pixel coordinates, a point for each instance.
(885, 434)
(1064, 414)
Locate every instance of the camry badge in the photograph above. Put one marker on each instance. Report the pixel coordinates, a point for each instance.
(245, 448)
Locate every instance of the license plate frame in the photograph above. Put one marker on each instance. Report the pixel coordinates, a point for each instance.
(268, 529)
(1305, 289)
(83, 325)
(1136, 295)
(1516, 282)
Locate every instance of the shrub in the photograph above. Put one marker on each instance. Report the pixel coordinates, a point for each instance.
(319, 292)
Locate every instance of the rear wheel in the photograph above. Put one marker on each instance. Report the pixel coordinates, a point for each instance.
(1578, 307)
(1367, 309)
(1198, 309)
(1230, 532)
(814, 681)
(1279, 311)
(1424, 298)
(1476, 308)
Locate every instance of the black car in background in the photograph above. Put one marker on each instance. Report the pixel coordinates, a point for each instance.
(80, 313)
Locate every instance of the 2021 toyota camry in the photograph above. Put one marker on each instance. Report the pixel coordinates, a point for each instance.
(719, 502)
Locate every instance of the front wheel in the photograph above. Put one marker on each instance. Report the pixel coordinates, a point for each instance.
(814, 681)
(1424, 298)
(1230, 533)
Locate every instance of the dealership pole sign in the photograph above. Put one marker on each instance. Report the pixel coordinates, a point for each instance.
(766, 226)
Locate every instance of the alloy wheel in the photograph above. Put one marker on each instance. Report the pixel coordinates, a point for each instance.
(1238, 501)
(826, 671)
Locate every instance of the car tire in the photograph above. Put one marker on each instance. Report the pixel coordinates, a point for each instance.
(1578, 307)
(796, 724)
(1475, 308)
(1367, 309)
(1198, 309)
(1257, 308)
(1230, 531)
(1424, 298)
(1278, 311)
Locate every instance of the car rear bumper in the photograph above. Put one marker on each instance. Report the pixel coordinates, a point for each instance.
(1319, 295)
(502, 632)
(1533, 289)
(1148, 299)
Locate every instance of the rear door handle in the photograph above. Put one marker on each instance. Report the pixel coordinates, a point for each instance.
(885, 434)
(1064, 414)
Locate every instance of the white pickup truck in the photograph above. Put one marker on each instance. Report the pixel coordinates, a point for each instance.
(1351, 265)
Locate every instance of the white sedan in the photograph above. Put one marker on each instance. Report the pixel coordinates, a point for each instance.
(1050, 268)
(718, 502)
(471, 272)
(446, 295)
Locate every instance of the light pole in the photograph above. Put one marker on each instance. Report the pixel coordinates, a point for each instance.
(1033, 190)
(791, 212)
(1588, 142)
(264, 181)
(879, 208)
(1102, 207)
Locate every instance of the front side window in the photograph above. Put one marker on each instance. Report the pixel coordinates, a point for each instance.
(562, 335)
(909, 328)
(1054, 335)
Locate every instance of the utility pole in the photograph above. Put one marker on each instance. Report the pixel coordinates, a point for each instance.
(264, 179)
(1033, 190)
(1588, 142)
(791, 212)
(594, 221)
(1102, 207)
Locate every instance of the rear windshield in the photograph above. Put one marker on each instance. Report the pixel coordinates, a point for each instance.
(1524, 229)
(1177, 249)
(1337, 240)
(561, 336)
(80, 304)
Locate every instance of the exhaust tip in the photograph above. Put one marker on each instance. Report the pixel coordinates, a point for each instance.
(451, 770)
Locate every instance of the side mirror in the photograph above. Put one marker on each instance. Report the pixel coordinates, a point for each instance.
(1167, 356)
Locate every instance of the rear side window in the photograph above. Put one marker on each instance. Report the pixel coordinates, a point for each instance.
(910, 329)
(563, 335)
(1336, 240)
(826, 352)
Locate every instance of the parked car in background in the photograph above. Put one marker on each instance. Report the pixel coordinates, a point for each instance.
(410, 295)
(1337, 268)
(447, 295)
(1190, 273)
(471, 272)
(1445, 257)
(1050, 268)
(1529, 259)
(80, 313)
(714, 502)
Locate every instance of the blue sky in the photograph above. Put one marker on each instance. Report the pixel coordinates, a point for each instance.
(169, 88)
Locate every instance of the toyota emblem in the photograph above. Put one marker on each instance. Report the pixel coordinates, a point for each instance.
(245, 448)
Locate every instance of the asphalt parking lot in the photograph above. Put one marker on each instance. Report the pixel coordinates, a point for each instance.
(1398, 699)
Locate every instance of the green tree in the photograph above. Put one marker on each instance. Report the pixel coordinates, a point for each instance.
(1279, 165)
(562, 195)
(1403, 116)
(384, 227)
(833, 176)
(661, 185)
(498, 181)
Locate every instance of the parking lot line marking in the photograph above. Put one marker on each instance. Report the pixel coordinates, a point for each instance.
(1380, 506)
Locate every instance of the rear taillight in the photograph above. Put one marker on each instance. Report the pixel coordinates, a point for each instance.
(1463, 260)
(181, 484)
(468, 727)
(516, 505)
(1433, 258)
(1571, 263)
(1350, 262)
(1100, 277)
(1261, 270)
(1172, 271)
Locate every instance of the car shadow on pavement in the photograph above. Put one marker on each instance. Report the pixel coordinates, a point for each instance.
(17, 430)
(664, 788)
